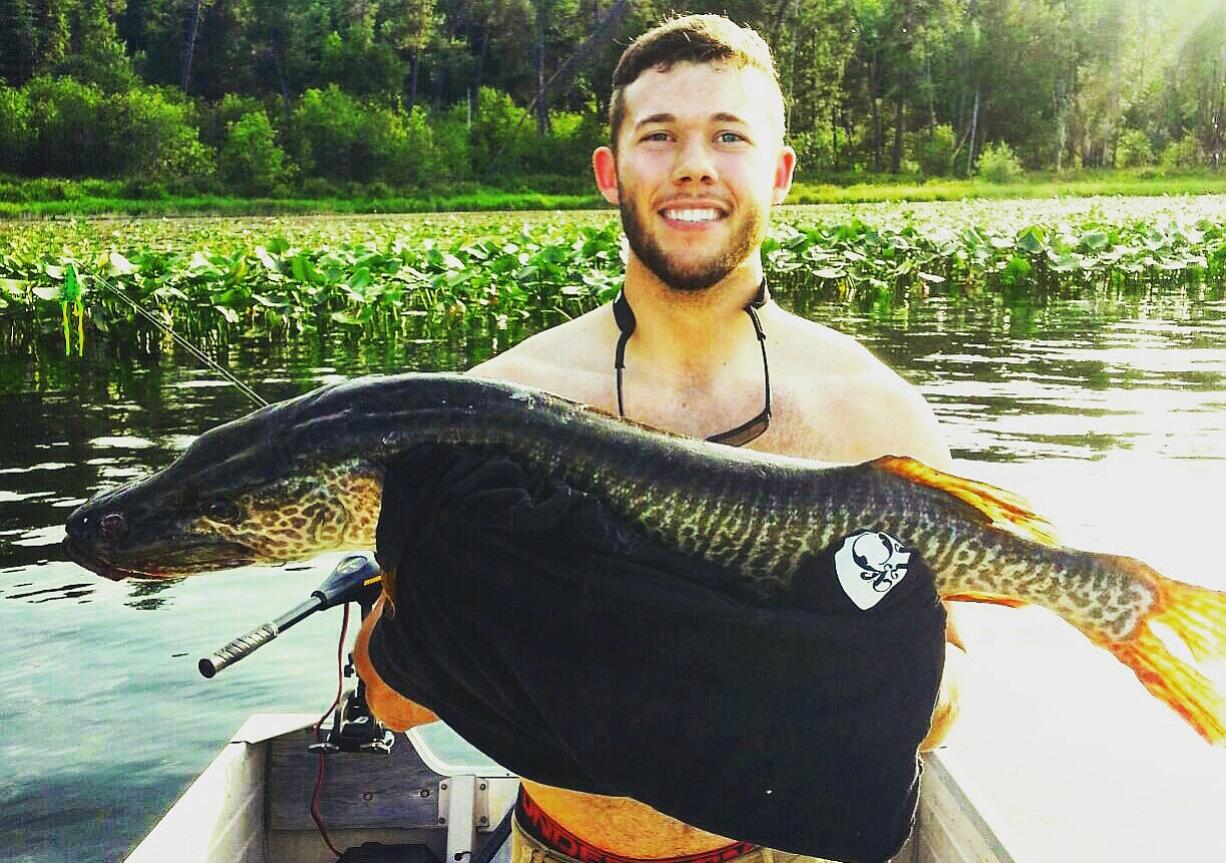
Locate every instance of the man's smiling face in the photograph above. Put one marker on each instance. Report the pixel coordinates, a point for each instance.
(699, 162)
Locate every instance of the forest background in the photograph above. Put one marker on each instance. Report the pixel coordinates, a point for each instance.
(380, 98)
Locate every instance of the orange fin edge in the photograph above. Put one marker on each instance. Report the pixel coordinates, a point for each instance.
(1002, 508)
(985, 598)
(1175, 683)
(1197, 617)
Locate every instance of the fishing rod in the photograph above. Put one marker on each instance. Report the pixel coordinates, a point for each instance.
(200, 355)
(357, 578)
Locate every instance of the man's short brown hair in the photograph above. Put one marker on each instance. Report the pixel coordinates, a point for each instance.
(688, 39)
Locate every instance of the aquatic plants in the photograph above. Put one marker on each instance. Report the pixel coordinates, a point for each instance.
(293, 276)
(1038, 246)
(279, 285)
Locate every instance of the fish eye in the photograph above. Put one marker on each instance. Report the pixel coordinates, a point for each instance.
(221, 509)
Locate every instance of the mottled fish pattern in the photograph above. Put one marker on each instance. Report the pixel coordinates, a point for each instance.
(304, 476)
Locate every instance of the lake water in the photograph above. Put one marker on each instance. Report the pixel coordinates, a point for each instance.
(1109, 412)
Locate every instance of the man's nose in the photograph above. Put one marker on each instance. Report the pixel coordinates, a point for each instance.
(694, 163)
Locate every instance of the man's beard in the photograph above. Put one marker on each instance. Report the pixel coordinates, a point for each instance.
(699, 276)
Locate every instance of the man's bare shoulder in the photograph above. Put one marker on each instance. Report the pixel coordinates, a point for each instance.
(573, 360)
(879, 413)
(802, 341)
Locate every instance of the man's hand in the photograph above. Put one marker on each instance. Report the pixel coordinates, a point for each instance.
(389, 706)
(946, 710)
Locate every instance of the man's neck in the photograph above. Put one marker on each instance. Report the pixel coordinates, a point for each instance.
(691, 332)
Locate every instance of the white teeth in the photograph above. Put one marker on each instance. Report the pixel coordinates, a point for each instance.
(708, 215)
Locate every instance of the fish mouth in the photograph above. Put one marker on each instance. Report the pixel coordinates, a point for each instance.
(81, 554)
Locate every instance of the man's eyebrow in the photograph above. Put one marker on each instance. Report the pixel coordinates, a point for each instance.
(721, 117)
(655, 118)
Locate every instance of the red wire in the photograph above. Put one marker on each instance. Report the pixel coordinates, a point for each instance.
(319, 777)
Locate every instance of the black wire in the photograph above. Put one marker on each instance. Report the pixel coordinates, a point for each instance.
(319, 776)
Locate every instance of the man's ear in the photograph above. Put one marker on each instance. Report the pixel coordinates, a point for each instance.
(604, 166)
(784, 168)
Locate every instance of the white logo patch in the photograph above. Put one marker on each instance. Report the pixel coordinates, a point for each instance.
(869, 564)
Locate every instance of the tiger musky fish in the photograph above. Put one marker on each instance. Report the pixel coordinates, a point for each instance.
(304, 476)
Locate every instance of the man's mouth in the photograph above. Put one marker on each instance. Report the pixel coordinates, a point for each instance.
(708, 214)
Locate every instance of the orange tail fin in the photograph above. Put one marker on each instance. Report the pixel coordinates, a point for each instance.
(1197, 616)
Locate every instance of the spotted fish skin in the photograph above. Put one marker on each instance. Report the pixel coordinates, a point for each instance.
(304, 476)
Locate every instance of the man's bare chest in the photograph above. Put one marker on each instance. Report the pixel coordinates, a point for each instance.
(803, 414)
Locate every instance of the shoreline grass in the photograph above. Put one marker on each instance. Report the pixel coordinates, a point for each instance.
(1036, 185)
(212, 205)
(52, 199)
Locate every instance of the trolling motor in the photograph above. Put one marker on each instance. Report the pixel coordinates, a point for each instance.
(358, 579)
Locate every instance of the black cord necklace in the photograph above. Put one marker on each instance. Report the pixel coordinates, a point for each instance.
(746, 431)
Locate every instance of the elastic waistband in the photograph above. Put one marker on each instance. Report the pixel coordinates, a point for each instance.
(535, 822)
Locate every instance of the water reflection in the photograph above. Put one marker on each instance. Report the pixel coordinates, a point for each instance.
(67, 591)
(146, 594)
(1053, 396)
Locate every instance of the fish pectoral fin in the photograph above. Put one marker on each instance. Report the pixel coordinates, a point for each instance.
(968, 596)
(1001, 508)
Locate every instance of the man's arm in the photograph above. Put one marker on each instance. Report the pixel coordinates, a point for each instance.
(908, 427)
(946, 710)
(389, 706)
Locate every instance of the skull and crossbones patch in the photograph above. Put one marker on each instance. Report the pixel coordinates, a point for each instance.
(869, 564)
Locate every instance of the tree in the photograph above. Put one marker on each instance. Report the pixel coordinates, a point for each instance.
(360, 65)
(251, 161)
(17, 41)
(152, 135)
(410, 27)
(15, 129)
(65, 122)
(99, 55)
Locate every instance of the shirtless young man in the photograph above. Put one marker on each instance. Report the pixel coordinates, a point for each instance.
(697, 160)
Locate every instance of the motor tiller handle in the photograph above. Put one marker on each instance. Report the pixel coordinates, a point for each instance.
(355, 577)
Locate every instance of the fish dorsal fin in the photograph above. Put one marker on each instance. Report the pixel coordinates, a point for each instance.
(1003, 509)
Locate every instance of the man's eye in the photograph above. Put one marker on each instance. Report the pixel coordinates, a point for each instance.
(656, 136)
(730, 138)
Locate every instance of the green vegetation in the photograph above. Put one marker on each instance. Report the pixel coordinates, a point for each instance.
(47, 198)
(1034, 184)
(151, 203)
(407, 97)
(281, 277)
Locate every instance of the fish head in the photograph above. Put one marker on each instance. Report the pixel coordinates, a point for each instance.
(241, 494)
